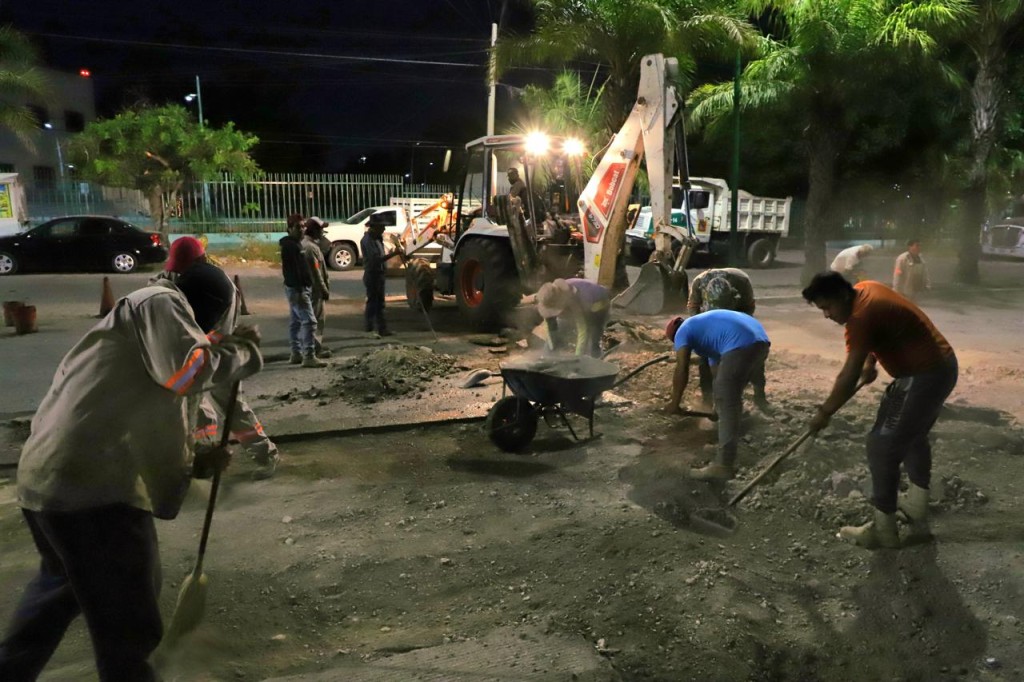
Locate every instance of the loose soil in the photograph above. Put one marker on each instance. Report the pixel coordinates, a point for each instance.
(427, 554)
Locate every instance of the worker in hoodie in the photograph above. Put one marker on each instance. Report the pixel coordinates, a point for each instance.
(110, 449)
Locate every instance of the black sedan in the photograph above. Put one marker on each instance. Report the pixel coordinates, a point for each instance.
(84, 242)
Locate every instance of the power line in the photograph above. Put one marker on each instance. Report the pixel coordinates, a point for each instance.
(277, 53)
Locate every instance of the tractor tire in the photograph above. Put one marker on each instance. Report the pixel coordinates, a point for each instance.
(486, 283)
(342, 257)
(511, 423)
(761, 253)
(419, 284)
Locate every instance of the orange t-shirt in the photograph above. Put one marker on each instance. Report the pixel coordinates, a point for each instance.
(900, 336)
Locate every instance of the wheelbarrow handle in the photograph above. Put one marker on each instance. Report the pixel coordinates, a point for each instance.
(655, 361)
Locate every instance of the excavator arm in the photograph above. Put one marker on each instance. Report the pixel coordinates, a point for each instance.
(648, 133)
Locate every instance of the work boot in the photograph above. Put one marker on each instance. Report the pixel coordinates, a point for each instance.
(324, 353)
(385, 332)
(295, 358)
(267, 468)
(714, 472)
(880, 533)
(761, 401)
(311, 360)
(914, 506)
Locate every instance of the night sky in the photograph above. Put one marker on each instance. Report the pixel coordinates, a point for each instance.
(321, 83)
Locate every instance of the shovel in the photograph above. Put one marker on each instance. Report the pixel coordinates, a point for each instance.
(188, 612)
(778, 460)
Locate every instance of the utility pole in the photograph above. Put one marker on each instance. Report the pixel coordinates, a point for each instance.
(492, 70)
(199, 101)
(734, 233)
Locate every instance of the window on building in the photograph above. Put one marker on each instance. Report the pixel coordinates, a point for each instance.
(74, 121)
(44, 176)
(6, 167)
(40, 113)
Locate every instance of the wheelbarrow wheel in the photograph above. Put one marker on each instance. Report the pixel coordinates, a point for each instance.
(512, 423)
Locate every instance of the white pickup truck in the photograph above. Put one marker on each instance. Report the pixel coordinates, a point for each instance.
(345, 235)
(762, 222)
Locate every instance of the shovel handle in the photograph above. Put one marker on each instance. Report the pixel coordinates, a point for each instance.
(775, 462)
(229, 412)
(768, 469)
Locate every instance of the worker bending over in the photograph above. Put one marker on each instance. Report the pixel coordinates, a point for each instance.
(884, 327)
(736, 346)
(725, 289)
(110, 448)
(579, 302)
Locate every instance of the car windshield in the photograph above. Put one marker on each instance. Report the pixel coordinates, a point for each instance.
(358, 217)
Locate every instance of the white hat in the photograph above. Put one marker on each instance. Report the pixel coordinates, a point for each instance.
(553, 298)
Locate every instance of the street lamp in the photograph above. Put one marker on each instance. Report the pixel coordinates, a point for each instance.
(197, 97)
(60, 155)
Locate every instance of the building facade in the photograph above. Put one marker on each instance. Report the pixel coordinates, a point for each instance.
(42, 164)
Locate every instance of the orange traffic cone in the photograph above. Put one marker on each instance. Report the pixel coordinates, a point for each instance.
(241, 297)
(106, 299)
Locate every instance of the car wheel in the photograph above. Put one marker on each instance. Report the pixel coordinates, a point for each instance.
(124, 263)
(8, 264)
(342, 257)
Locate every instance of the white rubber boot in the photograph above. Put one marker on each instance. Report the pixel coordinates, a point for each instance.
(881, 532)
(914, 506)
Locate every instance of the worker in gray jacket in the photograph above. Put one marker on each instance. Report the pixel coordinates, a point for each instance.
(111, 448)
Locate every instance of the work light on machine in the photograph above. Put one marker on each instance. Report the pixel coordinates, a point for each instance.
(573, 146)
(537, 144)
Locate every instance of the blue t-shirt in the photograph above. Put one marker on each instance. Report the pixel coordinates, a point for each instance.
(716, 332)
(592, 296)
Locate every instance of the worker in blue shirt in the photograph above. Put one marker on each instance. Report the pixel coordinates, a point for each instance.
(736, 346)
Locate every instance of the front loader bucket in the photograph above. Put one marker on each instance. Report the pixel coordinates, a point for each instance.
(645, 296)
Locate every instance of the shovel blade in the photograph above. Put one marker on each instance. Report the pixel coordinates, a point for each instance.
(188, 611)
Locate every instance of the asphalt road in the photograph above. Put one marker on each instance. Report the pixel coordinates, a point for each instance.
(67, 306)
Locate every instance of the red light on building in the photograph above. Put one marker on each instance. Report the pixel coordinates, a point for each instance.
(84, 73)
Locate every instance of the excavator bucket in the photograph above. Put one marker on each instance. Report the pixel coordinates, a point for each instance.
(655, 290)
(645, 296)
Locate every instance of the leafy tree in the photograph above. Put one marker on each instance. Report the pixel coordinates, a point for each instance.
(567, 108)
(827, 66)
(618, 33)
(20, 79)
(158, 150)
(989, 35)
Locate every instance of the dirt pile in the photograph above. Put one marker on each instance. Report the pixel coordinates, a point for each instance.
(390, 372)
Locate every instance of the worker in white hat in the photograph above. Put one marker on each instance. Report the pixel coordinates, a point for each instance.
(581, 302)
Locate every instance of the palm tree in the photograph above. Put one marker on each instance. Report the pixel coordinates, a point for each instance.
(20, 80)
(825, 67)
(618, 33)
(989, 36)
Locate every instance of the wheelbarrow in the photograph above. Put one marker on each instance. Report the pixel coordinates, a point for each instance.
(550, 387)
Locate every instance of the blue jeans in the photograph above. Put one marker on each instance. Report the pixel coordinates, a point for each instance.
(909, 408)
(103, 563)
(303, 319)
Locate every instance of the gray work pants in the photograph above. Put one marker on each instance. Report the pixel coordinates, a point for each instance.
(734, 373)
(909, 408)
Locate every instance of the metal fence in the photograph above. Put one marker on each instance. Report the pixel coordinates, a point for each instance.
(228, 206)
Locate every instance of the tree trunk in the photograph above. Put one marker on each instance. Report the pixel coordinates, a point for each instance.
(823, 145)
(985, 104)
(155, 196)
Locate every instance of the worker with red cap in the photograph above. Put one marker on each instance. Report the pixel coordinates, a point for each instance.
(736, 346)
(188, 255)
